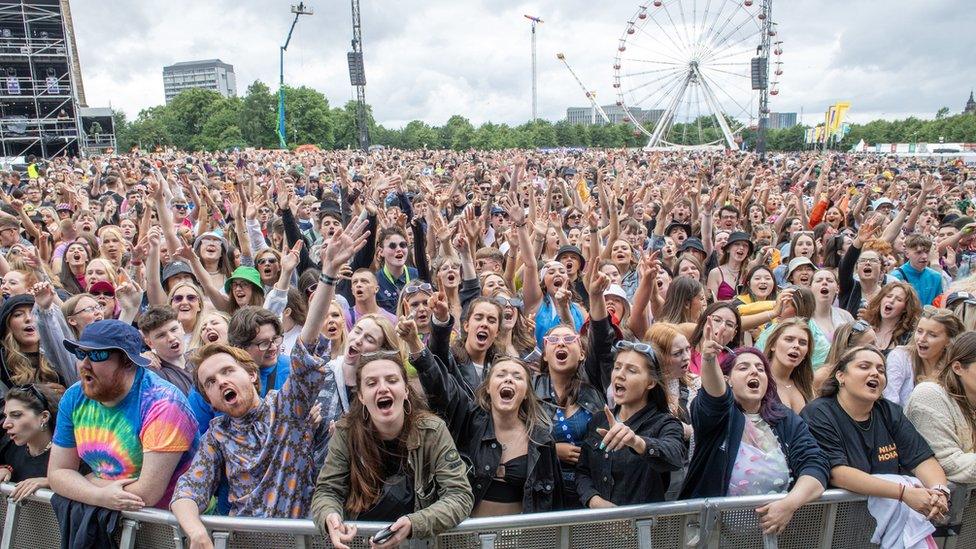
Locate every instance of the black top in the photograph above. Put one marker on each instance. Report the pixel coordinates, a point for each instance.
(396, 497)
(887, 443)
(24, 465)
(508, 484)
(623, 476)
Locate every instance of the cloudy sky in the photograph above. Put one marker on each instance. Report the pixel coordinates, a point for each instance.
(430, 59)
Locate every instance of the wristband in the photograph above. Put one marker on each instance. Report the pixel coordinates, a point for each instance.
(328, 280)
(901, 492)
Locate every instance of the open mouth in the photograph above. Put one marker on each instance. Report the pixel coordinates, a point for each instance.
(872, 384)
(557, 282)
(793, 356)
(507, 394)
(77, 257)
(331, 329)
(618, 390)
(888, 309)
(399, 256)
(451, 278)
(824, 291)
(481, 336)
(87, 378)
(561, 355)
(185, 308)
(267, 271)
(922, 348)
(212, 337)
(868, 271)
(384, 403)
(753, 384)
(509, 315)
(229, 395)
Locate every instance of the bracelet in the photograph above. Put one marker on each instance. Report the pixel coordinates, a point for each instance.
(328, 280)
(901, 492)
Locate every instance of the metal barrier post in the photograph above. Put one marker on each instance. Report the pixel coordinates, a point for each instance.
(770, 541)
(487, 540)
(644, 539)
(129, 528)
(302, 542)
(709, 521)
(221, 539)
(177, 538)
(830, 523)
(564, 537)
(10, 525)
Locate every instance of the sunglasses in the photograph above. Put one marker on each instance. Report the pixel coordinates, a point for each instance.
(575, 216)
(378, 355)
(189, 298)
(264, 210)
(394, 245)
(509, 302)
(96, 355)
(421, 287)
(32, 389)
(266, 261)
(638, 347)
(860, 327)
(103, 293)
(179, 206)
(565, 339)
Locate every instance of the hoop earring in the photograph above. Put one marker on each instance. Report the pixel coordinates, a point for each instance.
(365, 413)
(407, 407)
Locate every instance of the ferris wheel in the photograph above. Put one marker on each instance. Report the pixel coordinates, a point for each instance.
(694, 73)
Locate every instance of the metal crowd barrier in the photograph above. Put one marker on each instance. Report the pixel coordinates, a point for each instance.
(838, 520)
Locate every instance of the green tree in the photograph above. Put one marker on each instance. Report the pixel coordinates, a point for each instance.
(308, 118)
(222, 128)
(186, 114)
(418, 135)
(258, 116)
(457, 133)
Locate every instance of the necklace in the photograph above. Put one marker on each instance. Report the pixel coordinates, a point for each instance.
(46, 448)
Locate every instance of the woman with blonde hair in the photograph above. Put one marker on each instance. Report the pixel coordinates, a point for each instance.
(79, 311)
(186, 299)
(943, 409)
(21, 361)
(211, 327)
(112, 245)
(925, 354)
(334, 328)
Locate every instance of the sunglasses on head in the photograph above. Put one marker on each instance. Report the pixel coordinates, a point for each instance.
(96, 355)
(33, 390)
(637, 347)
(565, 339)
(421, 287)
(394, 245)
(265, 210)
(860, 327)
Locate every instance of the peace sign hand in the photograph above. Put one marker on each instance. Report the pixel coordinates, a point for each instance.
(710, 347)
(618, 436)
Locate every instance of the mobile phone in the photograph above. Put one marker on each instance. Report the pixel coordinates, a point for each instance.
(383, 535)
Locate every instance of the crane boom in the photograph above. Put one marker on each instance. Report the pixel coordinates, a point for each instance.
(589, 96)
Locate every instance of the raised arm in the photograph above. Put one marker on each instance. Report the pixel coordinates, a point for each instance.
(713, 382)
(531, 291)
(335, 253)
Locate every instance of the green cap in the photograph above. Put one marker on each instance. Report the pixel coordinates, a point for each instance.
(249, 274)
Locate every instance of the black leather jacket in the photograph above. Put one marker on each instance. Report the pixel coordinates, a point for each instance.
(474, 434)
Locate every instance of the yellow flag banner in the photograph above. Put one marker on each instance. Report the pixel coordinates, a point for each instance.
(582, 189)
(840, 110)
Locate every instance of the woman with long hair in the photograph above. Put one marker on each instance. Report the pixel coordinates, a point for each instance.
(759, 298)
(943, 409)
(799, 302)
(268, 263)
(470, 354)
(683, 302)
(826, 315)
(503, 429)
(689, 266)
(515, 338)
(79, 311)
(215, 257)
(111, 245)
(788, 353)
(72, 272)
(726, 324)
(924, 355)
(747, 442)
(186, 299)
(725, 280)
(893, 313)
(18, 281)
(414, 301)
(802, 244)
(211, 327)
(390, 460)
(865, 435)
(334, 328)
(633, 448)
(29, 413)
(21, 360)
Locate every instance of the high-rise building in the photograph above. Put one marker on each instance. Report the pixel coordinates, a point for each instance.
(781, 120)
(209, 74)
(616, 114)
(40, 83)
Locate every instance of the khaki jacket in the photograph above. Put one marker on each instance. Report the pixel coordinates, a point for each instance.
(442, 493)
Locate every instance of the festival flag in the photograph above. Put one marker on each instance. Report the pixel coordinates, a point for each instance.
(840, 110)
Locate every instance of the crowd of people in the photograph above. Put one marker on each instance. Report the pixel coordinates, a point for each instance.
(416, 337)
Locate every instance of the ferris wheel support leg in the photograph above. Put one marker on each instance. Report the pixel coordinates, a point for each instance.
(662, 124)
(714, 106)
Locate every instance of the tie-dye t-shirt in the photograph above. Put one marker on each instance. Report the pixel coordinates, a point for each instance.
(154, 417)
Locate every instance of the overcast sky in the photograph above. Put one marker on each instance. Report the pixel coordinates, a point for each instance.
(430, 59)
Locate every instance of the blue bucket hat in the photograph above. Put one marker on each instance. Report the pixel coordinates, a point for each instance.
(110, 334)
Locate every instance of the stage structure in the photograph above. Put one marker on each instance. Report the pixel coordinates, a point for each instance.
(357, 77)
(40, 82)
(705, 65)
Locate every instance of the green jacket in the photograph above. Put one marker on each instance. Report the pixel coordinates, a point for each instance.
(442, 494)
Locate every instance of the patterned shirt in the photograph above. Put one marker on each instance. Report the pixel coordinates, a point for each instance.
(153, 417)
(267, 453)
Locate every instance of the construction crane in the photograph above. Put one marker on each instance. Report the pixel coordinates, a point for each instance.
(589, 95)
(535, 74)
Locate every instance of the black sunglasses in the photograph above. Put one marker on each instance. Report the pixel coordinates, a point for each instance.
(32, 389)
(395, 245)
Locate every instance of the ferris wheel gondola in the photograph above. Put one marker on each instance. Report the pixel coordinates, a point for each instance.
(683, 70)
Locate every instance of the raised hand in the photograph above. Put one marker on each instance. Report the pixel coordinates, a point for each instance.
(438, 303)
(43, 293)
(618, 435)
(343, 245)
(710, 346)
(289, 259)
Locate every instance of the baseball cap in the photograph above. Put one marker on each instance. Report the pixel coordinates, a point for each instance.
(956, 297)
(101, 286)
(110, 334)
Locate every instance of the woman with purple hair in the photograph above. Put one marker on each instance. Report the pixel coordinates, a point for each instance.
(746, 441)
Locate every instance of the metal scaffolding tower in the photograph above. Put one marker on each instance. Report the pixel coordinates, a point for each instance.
(357, 77)
(767, 10)
(38, 92)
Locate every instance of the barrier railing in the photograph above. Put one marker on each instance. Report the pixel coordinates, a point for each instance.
(838, 520)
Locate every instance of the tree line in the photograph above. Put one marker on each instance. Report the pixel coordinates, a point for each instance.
(204, 120)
